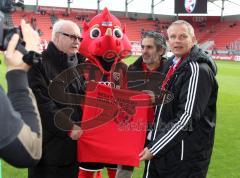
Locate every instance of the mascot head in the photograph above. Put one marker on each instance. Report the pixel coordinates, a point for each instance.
(104, 40)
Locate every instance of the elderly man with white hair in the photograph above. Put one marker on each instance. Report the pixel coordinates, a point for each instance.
(59, 150)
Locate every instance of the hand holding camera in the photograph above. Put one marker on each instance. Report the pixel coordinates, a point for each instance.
(13, 56)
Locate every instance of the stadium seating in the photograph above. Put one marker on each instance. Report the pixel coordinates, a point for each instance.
(43, 22)
(222, 33)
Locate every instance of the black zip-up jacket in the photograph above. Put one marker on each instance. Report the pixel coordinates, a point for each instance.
(58, 148)
(183, 142)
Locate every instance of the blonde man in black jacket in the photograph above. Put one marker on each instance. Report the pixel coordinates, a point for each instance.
(182, 141)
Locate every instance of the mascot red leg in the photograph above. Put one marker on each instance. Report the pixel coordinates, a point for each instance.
(111, 173)
(89, 174)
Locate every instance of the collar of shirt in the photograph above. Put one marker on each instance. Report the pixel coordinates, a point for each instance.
(176, 61)
(145, 68)
(72, 61)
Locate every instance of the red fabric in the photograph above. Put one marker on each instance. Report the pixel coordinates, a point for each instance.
(70, 133)
(168, 76)
(85, 174)
(99, 174)
(111, 173)
(89, 174)
(118, 132)
(172, 69)
(145, 69)
(170, 72)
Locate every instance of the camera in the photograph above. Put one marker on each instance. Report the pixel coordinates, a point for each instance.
(6, 34)
(7, 6)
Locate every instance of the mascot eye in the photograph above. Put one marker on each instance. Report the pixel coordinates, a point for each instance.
(117, 33)
(95, 32)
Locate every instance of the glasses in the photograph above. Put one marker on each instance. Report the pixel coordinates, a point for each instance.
(72, 37)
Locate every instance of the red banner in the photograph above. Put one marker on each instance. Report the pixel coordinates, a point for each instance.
(114, 126)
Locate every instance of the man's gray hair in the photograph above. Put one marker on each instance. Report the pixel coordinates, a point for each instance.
(183, 22)
(159, 39)
(58, 26)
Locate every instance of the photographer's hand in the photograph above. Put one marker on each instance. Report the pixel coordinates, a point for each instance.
(30, 37)
(13, 58)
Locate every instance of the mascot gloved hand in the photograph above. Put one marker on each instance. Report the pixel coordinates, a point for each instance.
(104, 44)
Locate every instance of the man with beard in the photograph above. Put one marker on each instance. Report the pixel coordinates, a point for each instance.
(147, 69)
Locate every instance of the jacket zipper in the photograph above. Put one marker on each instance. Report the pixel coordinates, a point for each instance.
(182, 150)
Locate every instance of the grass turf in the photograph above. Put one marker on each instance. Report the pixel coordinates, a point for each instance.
(225, 159)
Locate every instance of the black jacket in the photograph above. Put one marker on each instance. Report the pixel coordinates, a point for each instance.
(58, 148)
(183, 142)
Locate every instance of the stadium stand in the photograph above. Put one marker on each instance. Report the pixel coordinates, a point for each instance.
(222, 33)
(210, 30)
(43, 22)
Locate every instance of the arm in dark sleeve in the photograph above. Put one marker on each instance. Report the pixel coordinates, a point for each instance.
(21, 132)
(47, 107)
(193, 99)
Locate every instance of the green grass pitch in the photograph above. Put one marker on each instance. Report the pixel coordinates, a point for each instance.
(225, 159)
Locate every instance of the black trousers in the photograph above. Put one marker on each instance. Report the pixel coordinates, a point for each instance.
(68, 171)
(186, 170)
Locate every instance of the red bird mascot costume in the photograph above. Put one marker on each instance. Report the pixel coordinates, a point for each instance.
(104, 44)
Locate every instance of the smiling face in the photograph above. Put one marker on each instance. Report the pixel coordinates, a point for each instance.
(180, 39)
